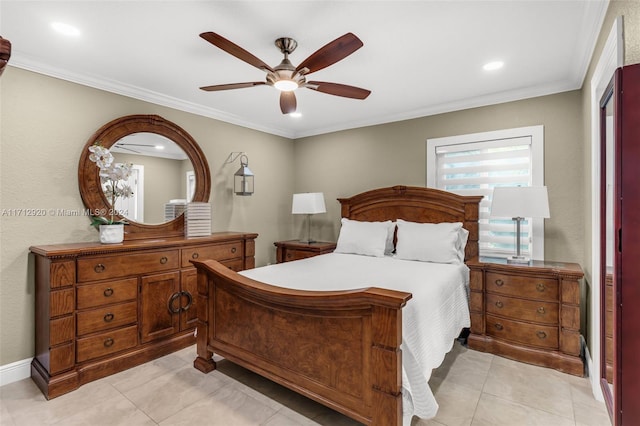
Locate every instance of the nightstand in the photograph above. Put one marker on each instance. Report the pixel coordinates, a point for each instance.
(295, 250)
(529, 313)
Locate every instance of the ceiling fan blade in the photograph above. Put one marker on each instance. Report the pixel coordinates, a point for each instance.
(288, 102)
(232, 86)
(338, 89)
(235, 50)
(331, 53)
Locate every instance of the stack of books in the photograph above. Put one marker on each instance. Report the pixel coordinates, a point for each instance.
(198, 220)
(173, 209)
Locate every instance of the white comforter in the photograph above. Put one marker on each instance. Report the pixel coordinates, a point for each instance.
(432, 319)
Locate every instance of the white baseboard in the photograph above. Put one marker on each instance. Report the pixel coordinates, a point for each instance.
(595, 382)
(15, 371)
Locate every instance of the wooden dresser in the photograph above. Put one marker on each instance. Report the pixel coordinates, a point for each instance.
(529, 313)
(102, 308)
(296, 250)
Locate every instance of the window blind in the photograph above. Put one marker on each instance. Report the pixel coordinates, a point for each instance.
(475, 169)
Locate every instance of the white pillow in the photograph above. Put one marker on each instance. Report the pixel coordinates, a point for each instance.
(429, 242)
(463, 237)
(366, 238)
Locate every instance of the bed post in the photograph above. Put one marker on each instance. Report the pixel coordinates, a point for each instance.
(204, 362)
(386, 358)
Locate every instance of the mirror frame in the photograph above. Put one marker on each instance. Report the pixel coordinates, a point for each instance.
(89, 179)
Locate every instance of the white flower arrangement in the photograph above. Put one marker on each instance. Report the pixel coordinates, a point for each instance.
(113, 177)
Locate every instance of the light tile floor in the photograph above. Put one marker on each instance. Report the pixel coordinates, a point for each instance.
(472, 388)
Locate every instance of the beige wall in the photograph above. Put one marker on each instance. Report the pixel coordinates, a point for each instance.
(45, 122)
(345, 163)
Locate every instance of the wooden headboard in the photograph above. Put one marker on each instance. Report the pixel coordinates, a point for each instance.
(416, 204)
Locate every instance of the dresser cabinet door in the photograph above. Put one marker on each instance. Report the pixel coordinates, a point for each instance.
(189, 311)
(158, 303)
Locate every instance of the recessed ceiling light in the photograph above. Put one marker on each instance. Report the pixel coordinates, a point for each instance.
(295, 114)
(492, 66)
(66, 29)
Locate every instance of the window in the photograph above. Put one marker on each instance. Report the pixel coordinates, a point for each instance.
(474, 164)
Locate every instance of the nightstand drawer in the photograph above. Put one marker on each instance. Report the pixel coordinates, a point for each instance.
(522, 286)
(524, 310)
(528, 334)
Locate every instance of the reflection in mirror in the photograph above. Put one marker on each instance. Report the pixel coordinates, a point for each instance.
(162, 180)
(194, 176)
(608, 174)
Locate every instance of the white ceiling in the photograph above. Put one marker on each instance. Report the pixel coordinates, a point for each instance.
(419, 57)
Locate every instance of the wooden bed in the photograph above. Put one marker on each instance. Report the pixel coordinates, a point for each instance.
(340, 348)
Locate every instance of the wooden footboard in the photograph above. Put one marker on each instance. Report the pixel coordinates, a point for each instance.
(340, 348)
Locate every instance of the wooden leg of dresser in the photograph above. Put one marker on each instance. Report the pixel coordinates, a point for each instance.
(53, 386)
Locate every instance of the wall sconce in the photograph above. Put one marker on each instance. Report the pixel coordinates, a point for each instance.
(243, 178)
(308, 203)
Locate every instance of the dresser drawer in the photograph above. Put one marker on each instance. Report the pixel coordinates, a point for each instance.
(106, 343)
(108, 317)
(291, 255)
(217, 252)
(92, 295)
(524, 310)
(528, 334)
(522, 286)
(95, 268)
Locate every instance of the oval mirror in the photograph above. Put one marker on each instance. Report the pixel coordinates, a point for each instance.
(169, 169)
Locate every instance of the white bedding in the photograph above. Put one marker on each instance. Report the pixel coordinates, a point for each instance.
(432, 319)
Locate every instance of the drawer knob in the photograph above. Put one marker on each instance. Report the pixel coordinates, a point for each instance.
(163, 260)
(289, 255)
(499, 282)
(499, 326)
(233, 249)
(108, 292)
(195, 255)
(541, 335)
(541, 310)
(99, 268)
(499, 304)
(108, 317)
(108, 342)
(540, 287)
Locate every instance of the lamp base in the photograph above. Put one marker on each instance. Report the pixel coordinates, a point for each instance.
(307, 241)
(518, 260)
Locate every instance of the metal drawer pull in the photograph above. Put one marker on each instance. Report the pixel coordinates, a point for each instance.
(233, 249)
(195, 255)
(175, 296)
(541, 334)
(499, 283)
(499, 304)
(108, 342)
(108, 292)
(540, 287)
(108, 317)
(499, 326)
(541, 310)
(163, 260)
(99, 268)
(189, 300)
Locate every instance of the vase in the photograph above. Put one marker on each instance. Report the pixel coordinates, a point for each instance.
(111, 234)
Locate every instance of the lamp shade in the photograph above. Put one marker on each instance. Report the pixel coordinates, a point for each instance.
(308, 203)
(520, 201)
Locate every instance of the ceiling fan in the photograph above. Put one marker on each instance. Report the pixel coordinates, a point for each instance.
(285, 76)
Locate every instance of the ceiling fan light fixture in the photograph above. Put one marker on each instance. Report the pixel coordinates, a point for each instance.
(285, 85)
